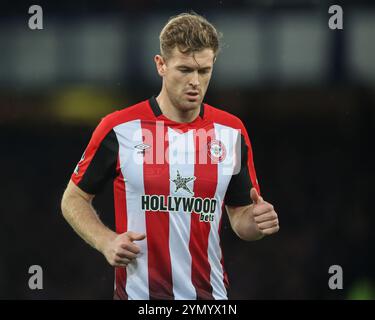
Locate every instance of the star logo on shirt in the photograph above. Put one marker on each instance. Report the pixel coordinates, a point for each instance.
(181, 183)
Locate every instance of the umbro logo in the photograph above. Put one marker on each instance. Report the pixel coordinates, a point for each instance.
(142, 148)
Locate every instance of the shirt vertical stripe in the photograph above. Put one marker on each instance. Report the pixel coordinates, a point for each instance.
(119, 194)
(181, 159)
(129, 135)
(156, 182)
(227, 136)
(204, 187)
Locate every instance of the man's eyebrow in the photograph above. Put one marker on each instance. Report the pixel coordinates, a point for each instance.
(182, 66)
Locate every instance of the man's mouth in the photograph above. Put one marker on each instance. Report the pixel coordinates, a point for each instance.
(193, 94)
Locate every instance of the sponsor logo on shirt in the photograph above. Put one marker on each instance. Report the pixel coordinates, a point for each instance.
(205, 207)
(182, 183)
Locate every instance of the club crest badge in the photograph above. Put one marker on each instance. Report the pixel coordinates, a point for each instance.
(216, 151)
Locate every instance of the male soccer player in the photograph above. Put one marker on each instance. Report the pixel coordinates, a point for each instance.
(175, 162)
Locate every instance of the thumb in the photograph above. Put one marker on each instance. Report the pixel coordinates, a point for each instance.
(254, 195)
(134, 236)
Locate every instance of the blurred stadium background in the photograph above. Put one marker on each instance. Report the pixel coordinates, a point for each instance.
(305, 92)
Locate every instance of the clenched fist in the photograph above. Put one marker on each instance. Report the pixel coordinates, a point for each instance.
(121, 250)
(264, 214)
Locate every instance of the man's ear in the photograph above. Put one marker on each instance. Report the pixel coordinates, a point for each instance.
(160, 65)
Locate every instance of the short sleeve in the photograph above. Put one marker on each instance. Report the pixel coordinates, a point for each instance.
(238, 192)
(99, 161)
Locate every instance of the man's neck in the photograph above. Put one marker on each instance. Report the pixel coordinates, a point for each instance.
(172, 113)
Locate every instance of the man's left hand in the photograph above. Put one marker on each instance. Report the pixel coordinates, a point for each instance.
(264, 214)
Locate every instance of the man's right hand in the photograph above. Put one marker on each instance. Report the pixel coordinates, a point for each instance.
(120, 250)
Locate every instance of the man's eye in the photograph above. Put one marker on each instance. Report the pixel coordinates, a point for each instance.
(185, 70)
(203, 71)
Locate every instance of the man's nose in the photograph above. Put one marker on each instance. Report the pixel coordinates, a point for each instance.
(194, 80)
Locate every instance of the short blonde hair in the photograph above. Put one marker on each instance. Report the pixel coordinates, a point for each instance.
(190, 32)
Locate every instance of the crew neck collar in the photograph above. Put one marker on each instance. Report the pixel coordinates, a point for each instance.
(157, 111)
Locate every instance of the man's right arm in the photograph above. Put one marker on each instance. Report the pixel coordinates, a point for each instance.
(77, 209)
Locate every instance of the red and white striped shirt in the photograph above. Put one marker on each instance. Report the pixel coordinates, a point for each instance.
(171, 181)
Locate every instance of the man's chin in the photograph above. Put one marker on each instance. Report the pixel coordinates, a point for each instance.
(190, 104)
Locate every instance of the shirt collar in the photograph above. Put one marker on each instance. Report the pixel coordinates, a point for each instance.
(157, 111)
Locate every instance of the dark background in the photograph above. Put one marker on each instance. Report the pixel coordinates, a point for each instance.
(305, 93)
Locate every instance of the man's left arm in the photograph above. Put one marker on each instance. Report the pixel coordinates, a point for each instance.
(250, 221)
(254, 221)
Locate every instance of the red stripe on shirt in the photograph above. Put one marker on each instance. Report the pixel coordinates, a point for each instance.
(225, 275)
(119, 193)
(204, 187)
(156, 182)
(250, 160)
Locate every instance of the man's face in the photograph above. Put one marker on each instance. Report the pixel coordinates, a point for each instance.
(186, 77)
